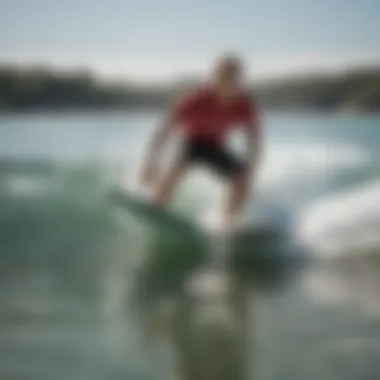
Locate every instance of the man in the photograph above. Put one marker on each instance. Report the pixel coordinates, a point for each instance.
(205, 116)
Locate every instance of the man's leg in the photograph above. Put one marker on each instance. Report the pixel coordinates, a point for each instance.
(168, 182)
(238, 192)
(234, 171)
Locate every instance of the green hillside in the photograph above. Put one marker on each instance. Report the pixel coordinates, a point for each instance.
(46, 89)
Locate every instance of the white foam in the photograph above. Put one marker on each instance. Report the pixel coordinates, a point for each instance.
(294, 161)
(345, 221)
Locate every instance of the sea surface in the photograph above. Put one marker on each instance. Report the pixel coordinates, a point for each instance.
(67, 264)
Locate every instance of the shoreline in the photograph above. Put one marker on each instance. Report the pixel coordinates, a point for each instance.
(154, 110)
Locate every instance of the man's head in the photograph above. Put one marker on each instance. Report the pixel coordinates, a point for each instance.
(228, 74)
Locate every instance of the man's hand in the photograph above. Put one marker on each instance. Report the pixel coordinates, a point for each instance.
(149, 175)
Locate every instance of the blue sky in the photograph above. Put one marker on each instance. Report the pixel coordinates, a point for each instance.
(153, 39)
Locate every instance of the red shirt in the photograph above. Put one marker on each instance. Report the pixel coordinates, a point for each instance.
(201, 114)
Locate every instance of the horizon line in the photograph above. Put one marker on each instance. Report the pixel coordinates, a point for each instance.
(287, 67)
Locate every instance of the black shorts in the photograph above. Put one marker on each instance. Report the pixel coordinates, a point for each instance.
(219, 158)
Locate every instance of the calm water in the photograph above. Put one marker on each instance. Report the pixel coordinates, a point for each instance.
(67, 265)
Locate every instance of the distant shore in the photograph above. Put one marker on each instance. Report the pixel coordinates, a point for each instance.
(46, 90)
(109, 111)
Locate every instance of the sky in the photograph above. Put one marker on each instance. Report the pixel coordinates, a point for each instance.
(160, 39)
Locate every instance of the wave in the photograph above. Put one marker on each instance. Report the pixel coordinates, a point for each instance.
(309, 160)
(344, 222)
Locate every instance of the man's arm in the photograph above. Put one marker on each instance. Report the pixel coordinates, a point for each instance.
(178, 114)
(158, 140)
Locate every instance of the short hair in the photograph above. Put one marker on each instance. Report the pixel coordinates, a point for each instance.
(228, 63)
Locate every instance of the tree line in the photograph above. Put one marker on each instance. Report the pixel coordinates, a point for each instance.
(41, 88)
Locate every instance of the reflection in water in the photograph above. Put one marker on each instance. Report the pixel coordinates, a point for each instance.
(353, 278)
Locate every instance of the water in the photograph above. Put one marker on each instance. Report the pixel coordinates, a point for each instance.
(69, 267)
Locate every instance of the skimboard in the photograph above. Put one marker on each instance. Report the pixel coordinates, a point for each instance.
(155, 215)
